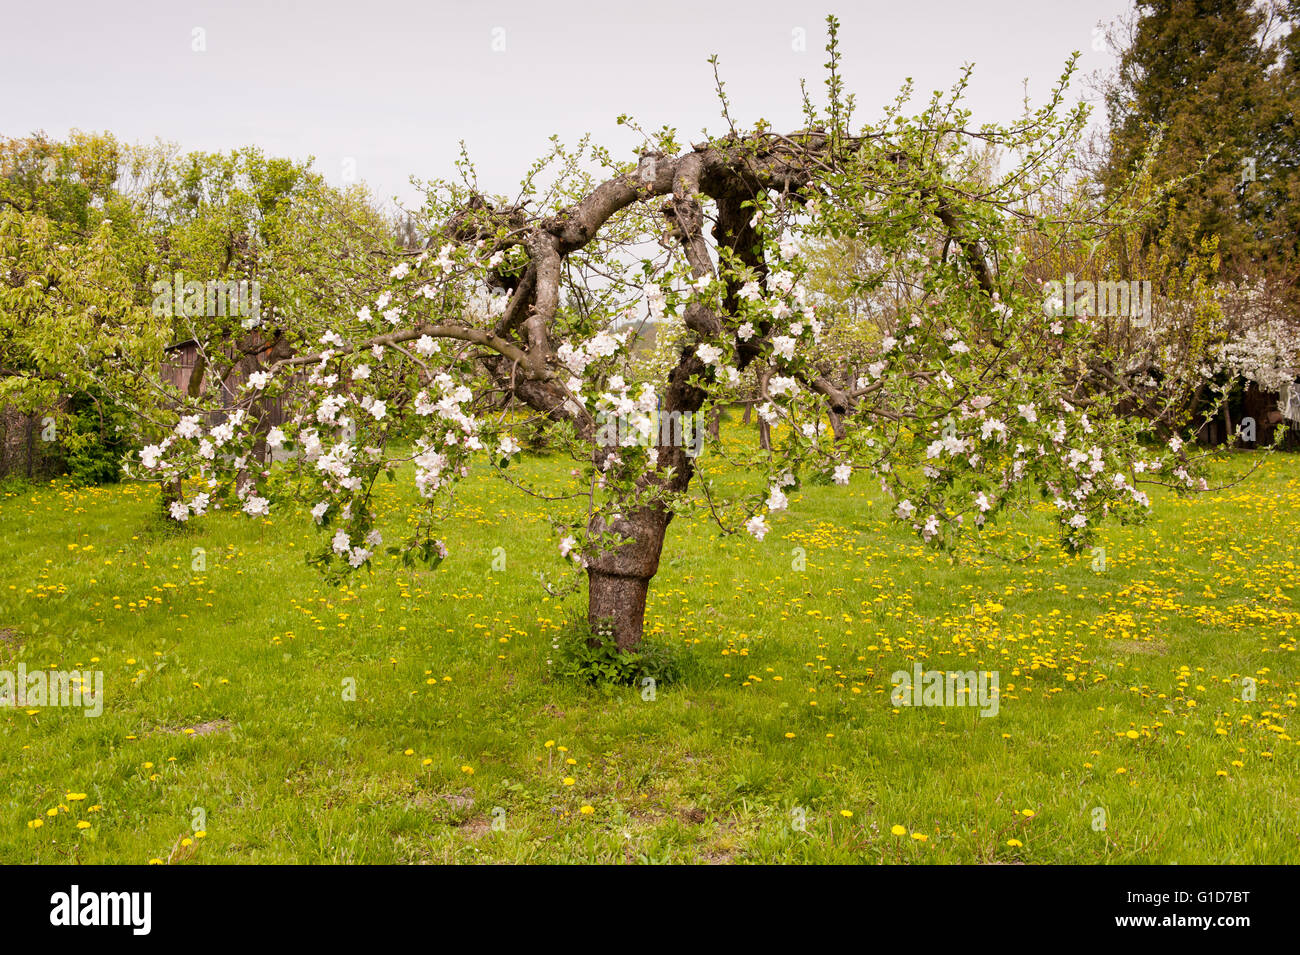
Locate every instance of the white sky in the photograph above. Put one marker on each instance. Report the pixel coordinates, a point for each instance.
(393, 85)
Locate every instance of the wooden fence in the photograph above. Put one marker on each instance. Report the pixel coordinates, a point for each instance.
(28, 448)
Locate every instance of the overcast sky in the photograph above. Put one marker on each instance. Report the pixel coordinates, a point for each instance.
(389, 87)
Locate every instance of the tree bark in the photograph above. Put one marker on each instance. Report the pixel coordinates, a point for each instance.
(619, 581)
(837, 426)
(616, 608)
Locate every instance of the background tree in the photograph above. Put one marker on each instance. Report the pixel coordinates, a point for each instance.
(1277, 191)
(1195, 79)
(74, 257)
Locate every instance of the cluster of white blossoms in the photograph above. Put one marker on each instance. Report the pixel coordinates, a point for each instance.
(160, 460)
(451, 436)
(191, 448)
(355, 554)
(577, 359)
(431, 277)
(483, 304)
(181, 510)
(1266, 355)
(990, 442)
(352, 402)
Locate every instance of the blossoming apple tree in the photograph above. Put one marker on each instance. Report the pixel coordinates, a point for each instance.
(520, 313)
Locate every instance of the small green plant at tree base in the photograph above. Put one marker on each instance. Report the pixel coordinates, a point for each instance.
(587, 655)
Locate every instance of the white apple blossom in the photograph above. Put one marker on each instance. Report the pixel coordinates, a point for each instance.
(779, 386)
(188, 427)
(709, 354)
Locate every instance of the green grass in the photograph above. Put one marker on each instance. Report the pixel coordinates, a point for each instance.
(784, 708)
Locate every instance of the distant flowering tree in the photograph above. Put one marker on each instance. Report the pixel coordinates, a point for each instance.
(519, 313)
(1262, 342)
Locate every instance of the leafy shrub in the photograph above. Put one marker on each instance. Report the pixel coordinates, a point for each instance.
(95, 439)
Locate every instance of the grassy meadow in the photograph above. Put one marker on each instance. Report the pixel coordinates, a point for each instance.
(228, 734)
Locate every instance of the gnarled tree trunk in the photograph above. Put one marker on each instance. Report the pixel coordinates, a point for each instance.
(522, 356)
(619, 581)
